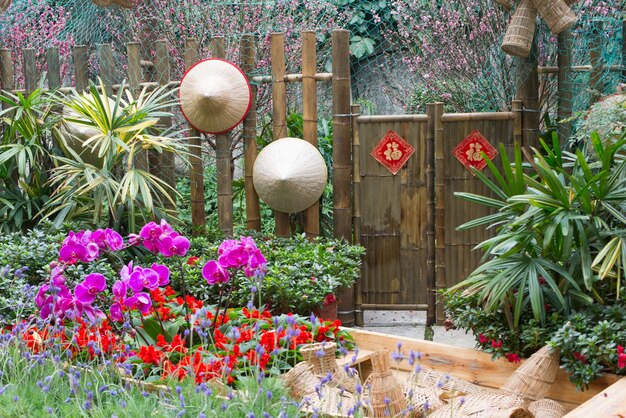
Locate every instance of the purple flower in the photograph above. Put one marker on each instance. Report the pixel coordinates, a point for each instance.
(227, 246)
(174, 245)
(214, 273)
(140, 301)
(120, 289)
(87, 290)
(236, 257)
(126, 271)
(143, 278)
(72, 252)
(163, 272)
(116, 312)
(113, 239)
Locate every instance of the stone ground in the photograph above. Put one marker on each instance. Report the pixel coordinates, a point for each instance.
(413, 324)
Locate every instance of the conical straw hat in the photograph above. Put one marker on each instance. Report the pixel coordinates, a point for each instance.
(289, 175)
(215, 96)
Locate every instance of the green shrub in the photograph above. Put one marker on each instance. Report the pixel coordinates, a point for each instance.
(300, 273)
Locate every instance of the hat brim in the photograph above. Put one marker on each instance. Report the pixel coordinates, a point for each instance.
(215, 96)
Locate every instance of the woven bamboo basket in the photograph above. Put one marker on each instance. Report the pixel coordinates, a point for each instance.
(383, 394)
(321, 356)
(301, 381)
(4, 4)
(429, 378)
(518, 39)
(424, 400)
(546, 408)
(102, 3)
(483, 405)
(507, 4)
(345, 379)
(328, 402)
(556, 13)
(532, 380)
(126, 4)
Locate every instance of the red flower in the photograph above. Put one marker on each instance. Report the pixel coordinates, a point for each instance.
(512, 357)
(193, 260)
(579, 357)
(621, 357)
(329, 299)
(150, 356)
(496, 344)
(482, 338)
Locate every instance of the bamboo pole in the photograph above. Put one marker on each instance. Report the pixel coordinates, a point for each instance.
(166, 160)
(564, 88)
(440, 224)
(464, 117)
(576, 68)
(342, 164)
(196, 171)
(395, 307)
(391, 118)
(248, 65)
(81, 67)
(30, 70)
(279, 111)
(516, 106)
(134, 74)
(431, 316)
(528, 93)
(6, 71)
(596, 82)
(224, 161)
(355, 110)
(105, 60)
(623, 49)
(54, 70)
(309, 116)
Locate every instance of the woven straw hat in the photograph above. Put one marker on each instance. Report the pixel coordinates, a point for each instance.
(215, 96)
(289, 175)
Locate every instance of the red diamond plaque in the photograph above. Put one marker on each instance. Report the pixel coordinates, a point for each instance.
(469, 151)
(393, 151)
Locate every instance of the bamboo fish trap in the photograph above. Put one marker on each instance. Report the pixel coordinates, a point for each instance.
(518, 39)
(556, 14)
(383, 395)
(533, 379)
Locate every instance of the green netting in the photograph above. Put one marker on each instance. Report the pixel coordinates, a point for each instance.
(405, 53)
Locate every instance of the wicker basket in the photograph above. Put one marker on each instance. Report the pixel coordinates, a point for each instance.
(102, 3)
(507, 4)
(546, 408)
(383, 395)
(321, 357)
(429, 378)
(126, 4)
(424, 400)
(518, 39)
(346, 380)
(328, 402)
(4, 4)
(483, 405)
(556, 13)
(533, 379)
(301, 381)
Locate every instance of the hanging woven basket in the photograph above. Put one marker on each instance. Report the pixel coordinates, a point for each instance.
(102, 3)
(518, 39)
(4, 4)
(533, 379)
(507, 4)
(126, 4)
(556, 13)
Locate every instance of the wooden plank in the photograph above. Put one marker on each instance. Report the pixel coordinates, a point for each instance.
(81, 67)
(279, 112)
(133, 51)
(196, 171)
(473, 365)
(223, 143)
(309, 116)
(54, 70)
(30, 70)
(248, 65)
(611, 402)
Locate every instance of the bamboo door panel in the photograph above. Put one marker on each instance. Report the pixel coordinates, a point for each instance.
(393, 216)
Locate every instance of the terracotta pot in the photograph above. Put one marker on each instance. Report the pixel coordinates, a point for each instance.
(328, 311)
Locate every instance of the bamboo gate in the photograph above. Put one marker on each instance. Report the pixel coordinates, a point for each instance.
(407, 222)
